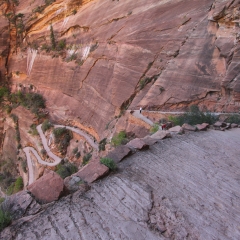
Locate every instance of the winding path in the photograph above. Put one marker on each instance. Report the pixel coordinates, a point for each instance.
(56, 159)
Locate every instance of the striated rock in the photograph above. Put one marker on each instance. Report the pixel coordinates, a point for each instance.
(48, 188)
(138, 143)
(176, 129)
(21, 204)
(92, 171)
(74, 183)
(189, 127)
(119, 153)
(234, 125)
(161, 134)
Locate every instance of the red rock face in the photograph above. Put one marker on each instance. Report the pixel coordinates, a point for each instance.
(157, 54)
(48, 188)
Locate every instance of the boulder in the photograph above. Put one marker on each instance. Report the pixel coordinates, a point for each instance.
(48, 188)
(92, 171)
(20, 204)
(234, 125)
(161, 134)
(220, 124)
(149, 140)
(75, 183)
(228, 126)
(119, 153)
(202, 127)
(189, 127)
(138, 143)
(176, 129)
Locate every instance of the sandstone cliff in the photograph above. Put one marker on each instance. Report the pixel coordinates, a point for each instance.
(122, 54)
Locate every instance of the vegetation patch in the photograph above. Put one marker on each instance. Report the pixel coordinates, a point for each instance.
(154, 128)
(33, 130)
(194, 116)
(32, 101)
(109, 163)
(15, 186)
(5, 218)
(120, 138)
(86, 158)
(102, 144)
(62, 137)
(66, 169)
(46, 125)
(233, 118)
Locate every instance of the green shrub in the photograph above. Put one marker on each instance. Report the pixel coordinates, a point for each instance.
(18, 185)
(10, 189)
(109, 163)
(1, 200)
(33, 130)
(78, 155)
(62, 137)
(75, 150)
(193, 117)
(46, 125)
(66, 169)
(14, 118)
(86, 158)
(120, 138)
(234, 118)
(32, 101)
(154, 128)
(102, 144)
(24, 165)
(61, 45)
(3, 93)
(5, 218)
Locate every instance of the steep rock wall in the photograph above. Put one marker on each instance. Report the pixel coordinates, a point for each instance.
(123, 54)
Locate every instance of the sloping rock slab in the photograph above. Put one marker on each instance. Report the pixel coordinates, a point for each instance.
(75, 183)
(202, 127)
(176, 129)
(119, 153)
(48, 188)
(92, 171)
(161, 134)
(21, 204)
(189, 127)
(138, 143)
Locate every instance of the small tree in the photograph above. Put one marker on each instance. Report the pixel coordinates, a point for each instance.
(53, 42)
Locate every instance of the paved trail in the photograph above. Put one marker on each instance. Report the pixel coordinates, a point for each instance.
(186, 187)
(137, 114)
(56, 159)
(82, 133)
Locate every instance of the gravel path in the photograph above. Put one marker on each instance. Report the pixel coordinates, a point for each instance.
(186, 187)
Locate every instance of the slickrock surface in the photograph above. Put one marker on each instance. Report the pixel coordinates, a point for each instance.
(186, 187)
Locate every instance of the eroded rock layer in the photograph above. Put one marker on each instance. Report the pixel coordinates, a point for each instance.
(122, 54)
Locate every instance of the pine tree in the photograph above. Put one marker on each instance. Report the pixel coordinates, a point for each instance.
(52, 38)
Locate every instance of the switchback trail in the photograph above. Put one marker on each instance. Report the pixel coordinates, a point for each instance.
(56, 159)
